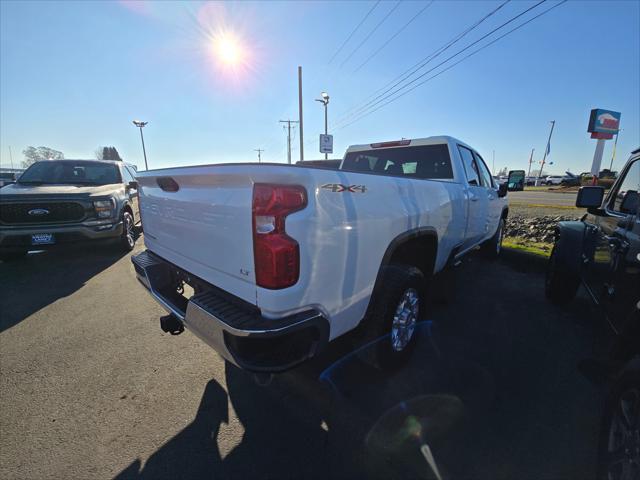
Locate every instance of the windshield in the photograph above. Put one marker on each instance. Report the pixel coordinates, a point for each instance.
(71, 172)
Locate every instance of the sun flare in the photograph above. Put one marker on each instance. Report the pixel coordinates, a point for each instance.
(228, 50)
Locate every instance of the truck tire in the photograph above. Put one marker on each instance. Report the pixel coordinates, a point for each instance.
(619, 444)
(560, 285)
(395, 314)
(128, 237)
(492, 247)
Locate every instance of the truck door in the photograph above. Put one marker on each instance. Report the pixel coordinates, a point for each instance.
(613, 270)
(494, 205)
(477, 200)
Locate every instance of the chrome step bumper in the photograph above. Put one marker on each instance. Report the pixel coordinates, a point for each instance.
(231, 326)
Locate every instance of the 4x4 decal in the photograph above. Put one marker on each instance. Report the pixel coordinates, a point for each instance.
(337, 188)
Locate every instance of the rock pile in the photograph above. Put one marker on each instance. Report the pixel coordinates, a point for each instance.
(535, 229)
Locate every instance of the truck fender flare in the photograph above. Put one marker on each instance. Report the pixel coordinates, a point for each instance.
(397, 242)
(569, 245)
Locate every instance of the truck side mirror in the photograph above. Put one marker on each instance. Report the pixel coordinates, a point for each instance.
(502, 190)
(515, 181)
(590, 197)
(133, 185)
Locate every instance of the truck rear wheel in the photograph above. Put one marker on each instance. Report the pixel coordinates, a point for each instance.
(492, 247)
(395, 315)
(560, 285)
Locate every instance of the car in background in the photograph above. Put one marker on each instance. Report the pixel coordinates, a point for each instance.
(57, 202)
(500, 179)
(570, 180)
(7, 178)
(554, 179)
(602, 253)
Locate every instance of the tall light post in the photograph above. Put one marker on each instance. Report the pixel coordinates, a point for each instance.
(324, 101)
(140, 125)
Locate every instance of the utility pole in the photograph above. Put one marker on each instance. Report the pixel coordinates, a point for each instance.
(300, 112)
(288, 122)
(546, 150)
(259, 150)
(530, 162)
(613, 155)
(11, 155)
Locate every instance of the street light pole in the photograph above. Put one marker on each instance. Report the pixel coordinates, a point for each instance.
(140, 125)
(324, 101)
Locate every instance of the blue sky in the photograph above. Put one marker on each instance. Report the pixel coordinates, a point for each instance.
(74, 74)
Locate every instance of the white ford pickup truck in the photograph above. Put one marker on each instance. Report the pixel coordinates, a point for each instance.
(285, 258)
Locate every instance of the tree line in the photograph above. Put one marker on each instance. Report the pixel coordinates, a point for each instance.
(37, 154)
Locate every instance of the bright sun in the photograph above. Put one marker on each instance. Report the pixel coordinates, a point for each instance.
(228, 50)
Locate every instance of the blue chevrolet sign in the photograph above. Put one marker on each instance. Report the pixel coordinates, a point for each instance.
(604, 121)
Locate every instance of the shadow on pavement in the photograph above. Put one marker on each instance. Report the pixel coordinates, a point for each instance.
(54, 275)
(278, 437)
(492, 392)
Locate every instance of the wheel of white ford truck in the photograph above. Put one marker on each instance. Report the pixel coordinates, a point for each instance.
(493, 246)
(395, 314)
(128, 238)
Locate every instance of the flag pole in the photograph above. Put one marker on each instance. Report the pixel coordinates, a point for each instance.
(546, 151)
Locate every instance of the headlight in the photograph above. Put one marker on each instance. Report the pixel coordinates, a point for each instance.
(105, 208)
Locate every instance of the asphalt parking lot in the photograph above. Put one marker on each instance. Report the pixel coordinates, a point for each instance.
(91, 388)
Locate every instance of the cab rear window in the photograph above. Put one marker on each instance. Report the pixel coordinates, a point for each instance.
(426, 161)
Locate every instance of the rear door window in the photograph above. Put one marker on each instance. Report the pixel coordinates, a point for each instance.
(425, 161)
(470, 167)
(485, 175)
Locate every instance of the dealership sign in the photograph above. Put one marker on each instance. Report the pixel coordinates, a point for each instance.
(605, 122)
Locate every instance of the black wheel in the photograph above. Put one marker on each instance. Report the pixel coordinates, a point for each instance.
(560, 285)
(10, 256)
(395, 314)
(128, 238)
(619, 447)
(492, 247)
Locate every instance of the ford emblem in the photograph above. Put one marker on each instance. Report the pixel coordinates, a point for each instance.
(38, 211)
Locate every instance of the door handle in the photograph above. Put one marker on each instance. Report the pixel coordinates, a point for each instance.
(473, 199)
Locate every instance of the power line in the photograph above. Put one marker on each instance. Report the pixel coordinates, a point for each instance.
(410, 71)
(389, 93)
(372, 32)
(354, 31)
(452, 65)
(259, 150)
(393, 36)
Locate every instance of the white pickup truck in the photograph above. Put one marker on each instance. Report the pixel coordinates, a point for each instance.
(285, 258)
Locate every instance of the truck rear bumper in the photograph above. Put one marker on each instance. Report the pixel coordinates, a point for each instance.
(232, 327)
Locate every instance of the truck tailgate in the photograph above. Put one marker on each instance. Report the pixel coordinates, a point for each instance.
(204, 225)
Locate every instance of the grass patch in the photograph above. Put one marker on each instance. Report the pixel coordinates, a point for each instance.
(540, 249)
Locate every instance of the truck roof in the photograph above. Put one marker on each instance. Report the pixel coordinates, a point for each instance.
(408, 142)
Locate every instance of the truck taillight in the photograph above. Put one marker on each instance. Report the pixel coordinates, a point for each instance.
(276, 255)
